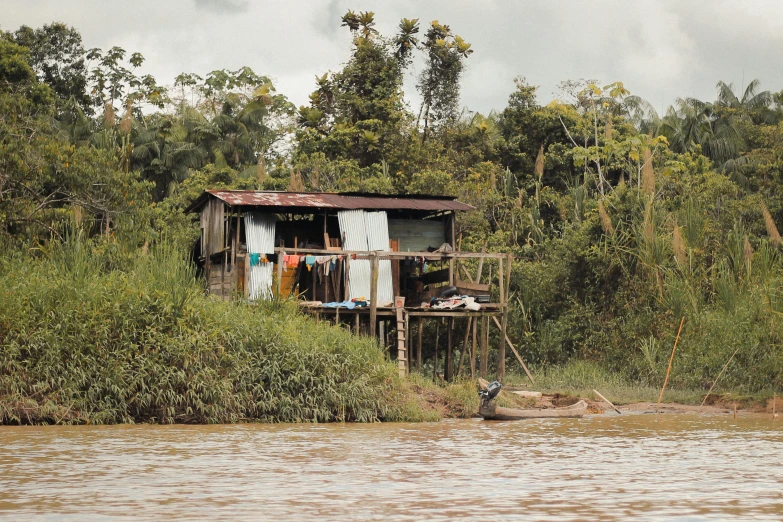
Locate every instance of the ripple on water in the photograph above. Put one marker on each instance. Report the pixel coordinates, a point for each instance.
(643, 467)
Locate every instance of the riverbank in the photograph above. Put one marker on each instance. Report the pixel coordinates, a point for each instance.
(564, 385)
(92, 334)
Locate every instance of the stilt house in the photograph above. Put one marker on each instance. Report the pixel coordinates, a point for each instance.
(369, 261)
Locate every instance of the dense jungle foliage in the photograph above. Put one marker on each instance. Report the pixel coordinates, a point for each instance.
(622, 221)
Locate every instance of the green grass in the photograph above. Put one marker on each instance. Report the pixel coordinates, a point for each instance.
(580, 378)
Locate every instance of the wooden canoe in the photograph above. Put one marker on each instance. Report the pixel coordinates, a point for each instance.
(492, 411)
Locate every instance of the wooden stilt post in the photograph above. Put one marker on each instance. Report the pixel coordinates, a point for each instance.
(280, 263)
(502, 344)
(408, 357)
(452, 233)
(419, 334)
(234, 250)
(473, 349)
(374, 294)
(481, 263)
(449, 350)
(435, 357)
(464, 347)
(247, 275)
(483, 359)
(381, 339)
(356, 323)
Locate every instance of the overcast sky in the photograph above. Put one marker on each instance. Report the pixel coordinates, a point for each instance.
(659, 50)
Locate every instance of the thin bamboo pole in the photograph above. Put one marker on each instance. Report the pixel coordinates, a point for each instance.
(719, 376)
(671, 360)
(607, 401)
(504, 336)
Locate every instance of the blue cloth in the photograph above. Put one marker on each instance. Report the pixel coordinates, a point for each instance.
(254, 259)
(309, 260)
(350, 305)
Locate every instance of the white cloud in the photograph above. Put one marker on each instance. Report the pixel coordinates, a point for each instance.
(660, 50)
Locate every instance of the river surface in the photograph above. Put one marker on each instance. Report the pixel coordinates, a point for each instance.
(640, 467)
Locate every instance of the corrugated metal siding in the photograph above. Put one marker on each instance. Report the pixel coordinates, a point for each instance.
(260, 232)
(378, 239)
(260, 235)
(366, 231)
(353, 230)
(260, 282)
(416, 235)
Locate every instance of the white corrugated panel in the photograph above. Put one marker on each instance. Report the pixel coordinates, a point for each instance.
(260, 282)
(378, 240)
(260, 232)
(353, 229)
(364, 231)
(354, 234)
(260, 235)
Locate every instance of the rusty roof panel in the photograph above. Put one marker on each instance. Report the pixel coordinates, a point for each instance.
(336, 201)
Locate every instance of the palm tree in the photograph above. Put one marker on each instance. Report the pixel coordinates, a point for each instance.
(695, 122)
(754, 105)
(163, 151)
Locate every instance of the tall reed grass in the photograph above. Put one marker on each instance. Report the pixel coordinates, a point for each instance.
(82, 341)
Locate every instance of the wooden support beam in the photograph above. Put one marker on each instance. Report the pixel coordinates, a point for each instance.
(502, 343)
(509, 265)
(418, 344)
(373, 294)
(524, 366)
(356, 324)
(234, 250)
(247, 275)
(453, 243)
(280, 263)
(483, 358)
(464, 347)
(467, 274)
(408, 357)
(435, 357)
(449, 350)
(481, 263)
(223, 275)
(473, 349)
(363, 254)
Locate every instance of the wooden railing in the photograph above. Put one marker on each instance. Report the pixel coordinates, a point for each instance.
(503, 263)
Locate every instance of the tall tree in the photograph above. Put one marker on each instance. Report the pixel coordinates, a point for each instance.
(58, 58)
(439, 81)
(358, 112)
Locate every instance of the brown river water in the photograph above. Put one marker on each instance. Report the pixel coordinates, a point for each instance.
(629, 467)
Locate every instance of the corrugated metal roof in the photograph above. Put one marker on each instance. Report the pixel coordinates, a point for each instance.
(333, 200)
